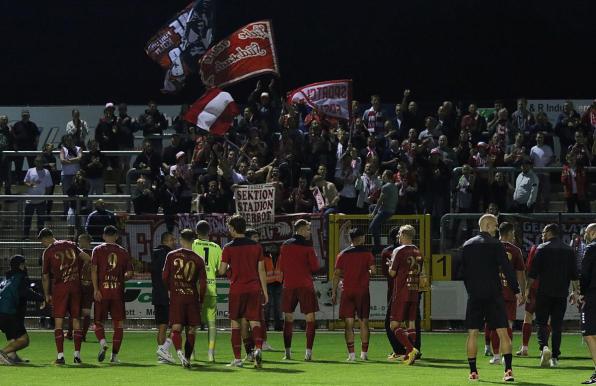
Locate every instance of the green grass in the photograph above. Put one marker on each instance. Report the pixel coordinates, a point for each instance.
(444, 363)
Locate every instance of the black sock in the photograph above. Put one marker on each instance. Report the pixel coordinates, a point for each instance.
(187, 349)
(472, 363)
(508, 359)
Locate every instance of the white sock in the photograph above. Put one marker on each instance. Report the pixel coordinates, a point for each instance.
(103, 343)
(352, 355)
(308, 352)
(77, 354)
(289, 351)
(525, 348)
(114, 356)
(167, 344)
(60, 355)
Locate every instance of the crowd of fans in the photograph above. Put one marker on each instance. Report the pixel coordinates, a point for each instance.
(320, 164)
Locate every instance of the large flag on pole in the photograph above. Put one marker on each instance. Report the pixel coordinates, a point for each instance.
(332, 98)
(246, 53)
(178, 45)
(214, 111)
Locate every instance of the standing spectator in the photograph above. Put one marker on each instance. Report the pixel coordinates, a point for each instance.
(516, 152)
(542, 155)
(49, 163)
(502, 126)
(144, 198)
(500, 191)
(346, 174)
(93, 164)
(526, 188)
(38, 182)
(168, 158)
(474, 123)
(463, 148)
(374, 118)
(522, 119)
(448, 154)
(183, 174)
(575, 185)
(430, 132)
(465, 190)
(494, 116)
(300, 199)
(153, 123)
(567, 124)
(148, 162)
(411, 116)
(406, 181)
(554, 267)
(70, 158)
(126, 128)
(368, 186)
(26, 137)
(588, 120)
(325, 194)
(6, 143)
(214, 200)
(438, 180)
(384, 209)
(542, 125)
(78, 129)
(107, 135)
(79, 187)
(98, 220)
(180, 124)
(581, 150)
(264, 102)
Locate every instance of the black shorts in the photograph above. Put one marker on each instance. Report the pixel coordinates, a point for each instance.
(12, 326)
(162, 314)
(588, 316)
(491, 310)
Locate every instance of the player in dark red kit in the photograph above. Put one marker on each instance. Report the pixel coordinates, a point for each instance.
(355, 264)
(387, 259)
(405, 269)
(514, 255)
(185, 277)
(248, 287)
(111, 266)
(298, 262)
(62, 261)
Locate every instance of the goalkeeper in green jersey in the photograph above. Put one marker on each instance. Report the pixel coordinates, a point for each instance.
(211, 254)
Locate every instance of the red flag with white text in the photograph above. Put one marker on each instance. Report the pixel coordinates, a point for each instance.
(214, 111)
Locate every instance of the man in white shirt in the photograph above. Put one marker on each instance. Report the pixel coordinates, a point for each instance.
(542, 155)
(77, 128)
(526, 188)
(38, 182)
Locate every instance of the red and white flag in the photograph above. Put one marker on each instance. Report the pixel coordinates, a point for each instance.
(214, 111)
(332, 98)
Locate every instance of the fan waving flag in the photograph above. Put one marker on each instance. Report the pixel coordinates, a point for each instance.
(332, 98)
(214, 112)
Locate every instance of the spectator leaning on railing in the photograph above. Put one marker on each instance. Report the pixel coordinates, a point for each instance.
(526, 188)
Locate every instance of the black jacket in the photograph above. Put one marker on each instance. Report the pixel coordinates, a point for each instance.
(483, 258)
(587, 280)
(159, 292)
(554, 265)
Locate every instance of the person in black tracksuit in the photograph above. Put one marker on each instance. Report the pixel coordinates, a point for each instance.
(159, 292)
(588, 291)
(554, 266)
(483, 258)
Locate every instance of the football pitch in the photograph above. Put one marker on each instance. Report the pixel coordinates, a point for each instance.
(443, 363)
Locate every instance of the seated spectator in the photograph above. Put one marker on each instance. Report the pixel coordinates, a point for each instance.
(575, 185)
(94, 164)
(148, 162)
(465, 191)
(214, 200)
(70, 158)
(368, 187)
(346, 174)
(49, 163)
(38, 182)
(301, 199)
(98, 220)
(170, 152)
(526, 188)
(542, 155)
(78, 129)
(144, 199)
(516, 152)
(499, 191)
(79, 187)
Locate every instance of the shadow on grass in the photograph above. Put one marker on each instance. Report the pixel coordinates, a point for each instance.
(561, 367)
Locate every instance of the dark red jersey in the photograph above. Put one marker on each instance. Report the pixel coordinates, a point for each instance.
(242, 256)
(298, 262)
(86, 269)
(531, 255)
(514, 255)
(355, 263)
(182, 271)
(62, 262)
(112, 263)
(407, 263)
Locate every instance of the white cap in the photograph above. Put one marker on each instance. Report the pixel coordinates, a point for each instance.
(109, 105)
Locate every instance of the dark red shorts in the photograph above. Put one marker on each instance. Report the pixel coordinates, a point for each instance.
(305, 296)
(354, 303)
(511, 308)
(66, 299)
(531, 302)
(404, 311)
(115, 307)
(86, 297)
(186, 314)
(247, 305)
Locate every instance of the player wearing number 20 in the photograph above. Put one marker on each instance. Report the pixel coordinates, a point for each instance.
(405, 269)
(110, 268)
(184, 276)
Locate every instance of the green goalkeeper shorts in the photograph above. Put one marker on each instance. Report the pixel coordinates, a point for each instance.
(209, 309)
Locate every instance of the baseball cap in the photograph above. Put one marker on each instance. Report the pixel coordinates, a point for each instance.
(180, 154)
(482, 144)
(45, 232)
(109, 105)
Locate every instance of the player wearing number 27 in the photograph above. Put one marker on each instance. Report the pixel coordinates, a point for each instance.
(406, 267)
(111, 266)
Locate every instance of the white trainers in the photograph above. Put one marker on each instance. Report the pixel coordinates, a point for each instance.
(258, 359)
(288, 355)
(183, 361)
(210, 356)
(114, 360)
(249, 357)
(545, 357)
(554, 362)
(165, 355)
(496, 360)
(308, 356)
(364, 356)
(351, 357)
(266, 346)
(523, 352)
(235, 363)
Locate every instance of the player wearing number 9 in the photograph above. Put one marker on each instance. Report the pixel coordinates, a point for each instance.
(111, 266)
(184, 276)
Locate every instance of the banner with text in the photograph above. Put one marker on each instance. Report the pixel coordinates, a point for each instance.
(256, 203)
(245, 53)
(553, 107)
(332, 98)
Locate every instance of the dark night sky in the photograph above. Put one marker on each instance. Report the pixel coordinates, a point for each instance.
(90, 51)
